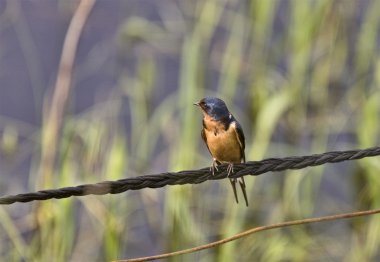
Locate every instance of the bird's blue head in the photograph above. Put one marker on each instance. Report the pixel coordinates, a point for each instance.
(214, 107)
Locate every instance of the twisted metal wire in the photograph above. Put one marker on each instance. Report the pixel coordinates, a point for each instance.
(253, 168)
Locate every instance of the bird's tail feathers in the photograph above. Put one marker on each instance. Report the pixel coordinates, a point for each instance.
(242, 186)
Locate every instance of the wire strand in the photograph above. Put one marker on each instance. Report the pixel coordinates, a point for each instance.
(253, 168)
(255, 230)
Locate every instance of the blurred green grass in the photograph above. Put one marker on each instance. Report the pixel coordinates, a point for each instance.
(301, 76)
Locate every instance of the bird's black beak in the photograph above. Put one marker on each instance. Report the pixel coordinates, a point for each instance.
(196, 104)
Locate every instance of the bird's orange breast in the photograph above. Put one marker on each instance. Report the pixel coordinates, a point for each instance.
(223, 144)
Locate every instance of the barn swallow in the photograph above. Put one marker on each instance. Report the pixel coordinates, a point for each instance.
(224, 138)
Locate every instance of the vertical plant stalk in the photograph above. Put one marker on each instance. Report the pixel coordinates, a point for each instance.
(54, 115)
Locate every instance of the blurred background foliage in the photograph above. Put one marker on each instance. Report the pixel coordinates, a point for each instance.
(301, 76)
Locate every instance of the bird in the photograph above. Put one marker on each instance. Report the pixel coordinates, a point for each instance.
(224, 138)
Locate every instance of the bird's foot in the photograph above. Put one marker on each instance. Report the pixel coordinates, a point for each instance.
(214, 167)
(230, 169)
